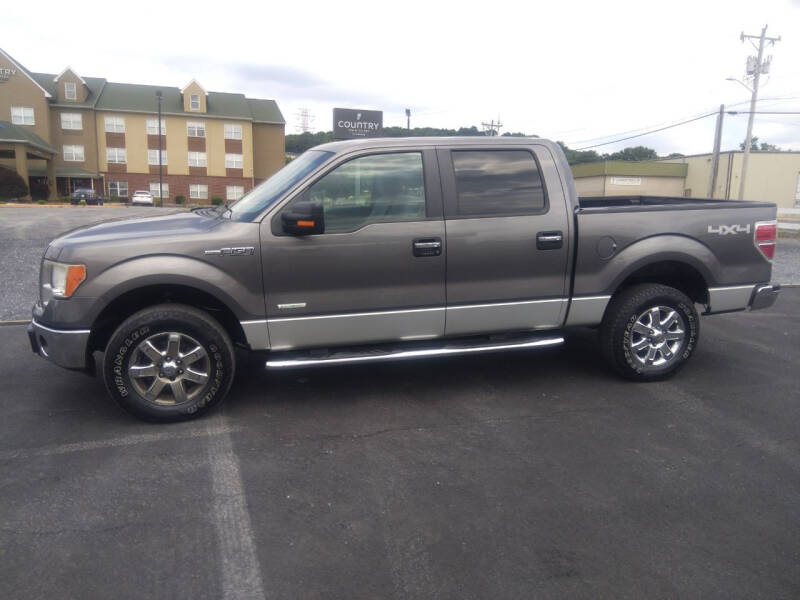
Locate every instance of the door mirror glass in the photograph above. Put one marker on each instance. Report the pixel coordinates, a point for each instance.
(304, 217)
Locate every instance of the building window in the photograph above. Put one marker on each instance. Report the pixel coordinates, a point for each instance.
(71, 121)
(154, 190)
(197, 159)
(118, 189)
(22, 115)
(70, 91)
(198, 191)
(116, 156)
(234, 192)
(152, 127)
(196, 129)
(233, 131)
(152, 157)
(115, 125)
(233, 161)
(73, 153)
(194, 102)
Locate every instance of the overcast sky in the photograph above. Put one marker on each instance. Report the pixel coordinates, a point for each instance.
(580, 72)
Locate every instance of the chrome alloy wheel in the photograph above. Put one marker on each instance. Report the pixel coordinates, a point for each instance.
(169, 368)
(657, 336)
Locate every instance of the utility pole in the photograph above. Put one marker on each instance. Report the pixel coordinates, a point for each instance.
(306, 120)
(408, 119)
(755, 67)
(492, 128)
(160, 162)
(712, 185)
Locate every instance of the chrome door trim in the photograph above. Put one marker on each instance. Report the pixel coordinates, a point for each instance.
(734, 297)
(587, 310)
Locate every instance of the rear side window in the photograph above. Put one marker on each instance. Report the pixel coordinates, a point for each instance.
(497, 182)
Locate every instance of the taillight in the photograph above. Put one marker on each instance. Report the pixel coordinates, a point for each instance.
(765, 238)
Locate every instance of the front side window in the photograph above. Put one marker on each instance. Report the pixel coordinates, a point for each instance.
(152, 157)
(22, 115)
(497, 182)
(71, 121)
(118, 188)
(233, 161)
(234, 192)
(152, 127)
(198, 159)
(196, 129)
(73, 153)
(156, 191)
(198, 191)
(115, 125)
(372, 189)
(70, 91)
(233, 131)
(194, 102)
(116, 156)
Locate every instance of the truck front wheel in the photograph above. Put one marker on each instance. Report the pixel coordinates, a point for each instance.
(169, 362)
(649, 331)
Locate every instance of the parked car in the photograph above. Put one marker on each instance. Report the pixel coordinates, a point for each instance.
(87, 195)
(142, 198)
(385, 249)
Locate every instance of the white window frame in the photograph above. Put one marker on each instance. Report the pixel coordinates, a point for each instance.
(70, 90)
(196, 129)
(154, 190)
(152, 157)
(115, 124)
(23, 115)
(117, 193)
(152, 127)
(234, 161)
(116, 156)
(233, 131)
(73, 153)
(194, 99)
(198, 159)
(72, 121)
(232, 196)
(198, 191)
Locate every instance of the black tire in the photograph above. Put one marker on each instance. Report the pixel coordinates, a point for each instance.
(176, 373)
(628, 342)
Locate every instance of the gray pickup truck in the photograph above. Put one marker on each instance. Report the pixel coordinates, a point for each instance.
(395, 248)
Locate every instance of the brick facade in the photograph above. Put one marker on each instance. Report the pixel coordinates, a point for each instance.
(179, 184)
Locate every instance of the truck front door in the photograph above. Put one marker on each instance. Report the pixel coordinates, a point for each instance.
(507, 228)
(377, 273)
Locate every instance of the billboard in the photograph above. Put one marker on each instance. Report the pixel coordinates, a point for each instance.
(350, 123)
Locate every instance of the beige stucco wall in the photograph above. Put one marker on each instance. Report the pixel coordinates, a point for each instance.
(269, 149)
(589, 186)
(80, 90)
(194, 88)
(601, 185)
(86, 137)
(20, 90)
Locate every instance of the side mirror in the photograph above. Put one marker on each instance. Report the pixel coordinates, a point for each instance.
(304, 217)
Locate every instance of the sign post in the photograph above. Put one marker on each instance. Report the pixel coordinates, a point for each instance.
(351, 123)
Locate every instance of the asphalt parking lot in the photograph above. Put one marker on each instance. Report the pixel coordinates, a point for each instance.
(523, 475)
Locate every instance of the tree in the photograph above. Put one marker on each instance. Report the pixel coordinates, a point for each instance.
(675, 155)
(575, 157)
(762, 147)
(633, 153)
(12, 186)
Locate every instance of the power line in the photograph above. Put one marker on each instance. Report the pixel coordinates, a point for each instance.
(763, 112)
(648, 132)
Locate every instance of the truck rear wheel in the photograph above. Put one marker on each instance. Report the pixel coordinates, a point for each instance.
(169, 362)
(649, 331)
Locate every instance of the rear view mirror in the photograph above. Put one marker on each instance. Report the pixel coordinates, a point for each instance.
(304, 217)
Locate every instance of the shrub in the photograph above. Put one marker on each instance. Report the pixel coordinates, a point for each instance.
(216, 201)
(41, 201)
(180, 199)
(40, 191)
(63, 198)
(82, 203)
(12, 186)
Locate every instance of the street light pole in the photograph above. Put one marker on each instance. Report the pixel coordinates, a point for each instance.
(160, 162)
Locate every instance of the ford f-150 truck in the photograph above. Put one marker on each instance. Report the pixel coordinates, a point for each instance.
(380, 249)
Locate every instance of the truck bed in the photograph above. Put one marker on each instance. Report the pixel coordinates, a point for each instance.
(638, 203)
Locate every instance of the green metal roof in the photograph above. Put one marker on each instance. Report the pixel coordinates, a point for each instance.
(10, 133)
(628, 167)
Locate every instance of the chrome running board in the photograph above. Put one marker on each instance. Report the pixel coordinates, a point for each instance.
(376, 353)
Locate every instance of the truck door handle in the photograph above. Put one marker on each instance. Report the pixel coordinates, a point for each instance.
(427, 247)
(549, 240)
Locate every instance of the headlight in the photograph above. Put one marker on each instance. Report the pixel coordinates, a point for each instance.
(58, 280)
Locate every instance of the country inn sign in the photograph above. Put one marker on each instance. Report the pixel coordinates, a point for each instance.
(5, 74)
(349, 123)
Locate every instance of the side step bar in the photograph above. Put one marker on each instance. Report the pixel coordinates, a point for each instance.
(377, 353)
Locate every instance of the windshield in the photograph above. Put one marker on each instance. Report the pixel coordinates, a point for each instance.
(264, 195)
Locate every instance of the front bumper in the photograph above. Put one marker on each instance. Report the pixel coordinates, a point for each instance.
(764, 296)
(64, 347)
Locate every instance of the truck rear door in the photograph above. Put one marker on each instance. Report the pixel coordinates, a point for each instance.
(507, 246)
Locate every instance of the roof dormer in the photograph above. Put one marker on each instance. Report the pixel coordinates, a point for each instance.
(194, 97)
(71, 86)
